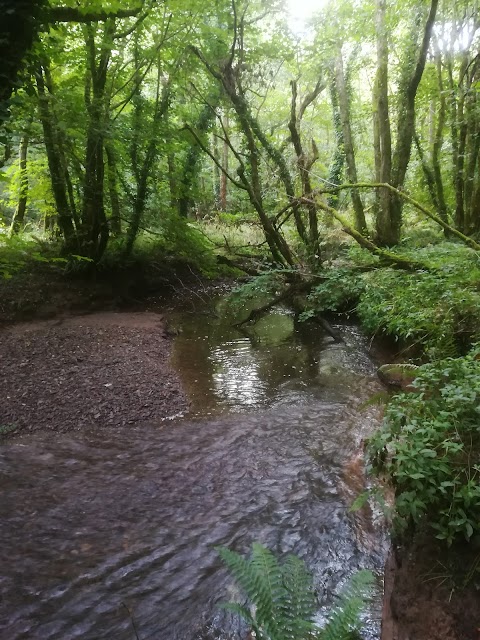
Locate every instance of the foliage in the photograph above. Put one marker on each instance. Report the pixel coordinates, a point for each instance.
(174, 239)
(438, 309)
(429, 448)
(17, 252)
(339, 291)
(283, 598)
(265, 285)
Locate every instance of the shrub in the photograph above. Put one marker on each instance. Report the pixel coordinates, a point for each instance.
(439, 310)
(339, 291)
(429, 448)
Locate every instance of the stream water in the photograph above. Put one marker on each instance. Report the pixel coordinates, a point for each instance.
(113, 534)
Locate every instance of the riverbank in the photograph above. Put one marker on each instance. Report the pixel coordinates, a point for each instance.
(426, 593)
(98, 370)
(112, 369)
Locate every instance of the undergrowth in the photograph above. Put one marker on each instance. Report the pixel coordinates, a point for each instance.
(175, 240)
(438, 310)
(21, 251)
(429, 449)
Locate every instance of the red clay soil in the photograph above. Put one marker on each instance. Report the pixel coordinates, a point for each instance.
(422, 601)
(104, 369)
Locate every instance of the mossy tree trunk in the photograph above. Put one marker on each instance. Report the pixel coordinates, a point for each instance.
(18, 220)
(391, 167)
(56, 163)
(344, 109)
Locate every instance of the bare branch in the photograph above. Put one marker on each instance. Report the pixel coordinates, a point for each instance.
(72, 14)
(206, 150)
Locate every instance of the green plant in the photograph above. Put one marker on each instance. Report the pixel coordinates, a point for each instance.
(439, 310)
(339, 291)
(5, 429)
(284, 601)
(18, 252)
(429, 448)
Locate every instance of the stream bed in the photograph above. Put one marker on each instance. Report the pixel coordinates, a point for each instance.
(112, 534)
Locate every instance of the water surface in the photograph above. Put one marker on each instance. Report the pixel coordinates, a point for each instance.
(113, 534)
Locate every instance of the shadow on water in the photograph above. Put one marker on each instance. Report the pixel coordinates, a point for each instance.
(101, 528)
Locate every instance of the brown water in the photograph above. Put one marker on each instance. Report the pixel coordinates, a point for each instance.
(113, 535)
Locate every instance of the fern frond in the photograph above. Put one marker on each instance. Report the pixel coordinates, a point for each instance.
(284, 599)
(344, 621)
(242, 571)
(244, 613)
(270, 588)
(301, 602)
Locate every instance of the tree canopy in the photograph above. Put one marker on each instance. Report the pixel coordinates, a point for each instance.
(130, 117)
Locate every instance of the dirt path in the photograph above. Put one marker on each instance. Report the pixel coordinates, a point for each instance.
(104, 369)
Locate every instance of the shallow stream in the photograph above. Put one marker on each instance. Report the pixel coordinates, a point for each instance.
(113, 534)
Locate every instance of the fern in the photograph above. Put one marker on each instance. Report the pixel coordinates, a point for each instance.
(284, 600)
(344, 620)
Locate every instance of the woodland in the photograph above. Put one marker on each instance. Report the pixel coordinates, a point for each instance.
(333, 167)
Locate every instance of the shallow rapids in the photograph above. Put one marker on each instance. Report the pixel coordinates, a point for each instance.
(113, 534)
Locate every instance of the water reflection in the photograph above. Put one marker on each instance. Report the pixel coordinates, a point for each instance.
(278, 361)
(236, 379)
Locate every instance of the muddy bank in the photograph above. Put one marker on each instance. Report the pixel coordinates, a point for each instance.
(104, 369)
(432, 592)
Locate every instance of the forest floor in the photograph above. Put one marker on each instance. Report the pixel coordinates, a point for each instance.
(70, 360)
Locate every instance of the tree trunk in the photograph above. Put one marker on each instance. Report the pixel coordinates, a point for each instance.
(223, 176)
(393, 169)
(115, 219)
(335, 172)
(438, 143)
(472, 147)
(382, 132)
(217, 163)
(172, 181)
(19, 215)
(252, 182)
(190, 167)
(94, 225)
(56, 164)
(344, 109)
(304, 164)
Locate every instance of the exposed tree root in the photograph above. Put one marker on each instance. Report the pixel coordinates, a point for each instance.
(289, 293)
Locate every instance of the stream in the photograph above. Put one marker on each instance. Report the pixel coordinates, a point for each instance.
(113, 534)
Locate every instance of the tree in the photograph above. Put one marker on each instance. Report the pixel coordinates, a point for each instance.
(391, 165)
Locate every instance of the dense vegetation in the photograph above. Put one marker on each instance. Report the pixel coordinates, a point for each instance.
(339, 166)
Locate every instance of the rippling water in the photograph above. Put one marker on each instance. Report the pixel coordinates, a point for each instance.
(113, 535)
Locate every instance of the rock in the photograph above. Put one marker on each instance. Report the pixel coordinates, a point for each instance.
(400, 375)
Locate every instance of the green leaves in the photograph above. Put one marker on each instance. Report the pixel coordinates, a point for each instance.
(282, 594)
(284, 600)
(429, 448)
(434, 309)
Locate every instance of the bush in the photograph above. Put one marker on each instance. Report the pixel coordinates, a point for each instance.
(439, 310)
(339, 291)
(429, 448)
(175, 239)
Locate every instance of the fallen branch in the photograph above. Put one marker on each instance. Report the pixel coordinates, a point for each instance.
(387, 257)
(295, 289)
(258, 313)
(384, 185)
(237, 265)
